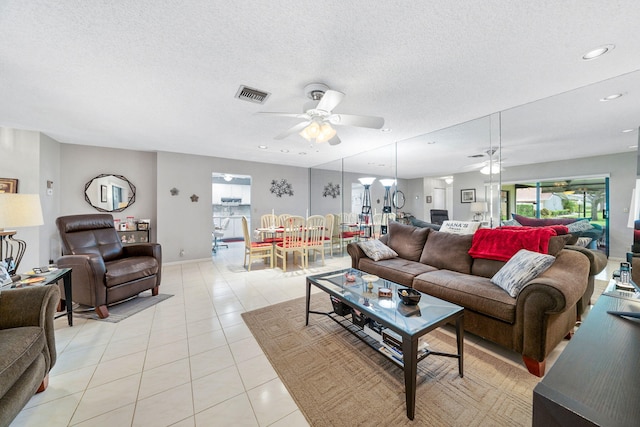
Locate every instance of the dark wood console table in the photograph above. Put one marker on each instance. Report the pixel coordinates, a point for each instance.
(596, 379)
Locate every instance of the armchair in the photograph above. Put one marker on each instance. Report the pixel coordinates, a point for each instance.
(27, 345)
(104, 271)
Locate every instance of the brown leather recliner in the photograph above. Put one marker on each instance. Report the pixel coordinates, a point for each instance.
(105, 271)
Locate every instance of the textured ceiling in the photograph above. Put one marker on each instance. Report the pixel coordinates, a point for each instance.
(161, 75)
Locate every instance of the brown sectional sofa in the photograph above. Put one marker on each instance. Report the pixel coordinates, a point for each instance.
(438, 264)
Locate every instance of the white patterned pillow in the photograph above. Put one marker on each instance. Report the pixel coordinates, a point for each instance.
(523, 267)
(459, 227)
(582, 225)
(511, 222)
(376, 250)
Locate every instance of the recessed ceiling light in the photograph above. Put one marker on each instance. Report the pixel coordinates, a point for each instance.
(431, 142)
(628, 130)
(284, 150)
(611, 97)
(262, 147)
(598, 52)
(302, 153)
(385, 130)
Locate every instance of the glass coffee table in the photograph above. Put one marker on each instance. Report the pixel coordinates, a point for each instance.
(51, 278)
(386, 323)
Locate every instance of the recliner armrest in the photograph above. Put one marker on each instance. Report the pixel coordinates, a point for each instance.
(143, 249)
(87, 275)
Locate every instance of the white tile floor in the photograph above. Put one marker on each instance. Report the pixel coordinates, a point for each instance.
(187, 361)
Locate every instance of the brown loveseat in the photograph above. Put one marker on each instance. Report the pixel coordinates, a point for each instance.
(439, 264)
(105, 271)
(27, 345)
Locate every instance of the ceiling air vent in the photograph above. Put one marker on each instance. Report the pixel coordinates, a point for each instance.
(252, 95)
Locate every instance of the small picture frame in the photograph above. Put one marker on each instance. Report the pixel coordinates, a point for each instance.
(429, 199)
(468, 195)
(8, 185)
(103, 193)
(143, 226)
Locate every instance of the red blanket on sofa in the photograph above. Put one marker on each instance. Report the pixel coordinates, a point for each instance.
(502, 243)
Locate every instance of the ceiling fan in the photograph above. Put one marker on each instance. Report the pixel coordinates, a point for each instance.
(318, 118)
(492, 165)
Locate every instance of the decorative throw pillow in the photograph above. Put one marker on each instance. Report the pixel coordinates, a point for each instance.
(459, 227)
(583, 242)
(511, 222)
(523, 267)
(376, 250)
(582, 225)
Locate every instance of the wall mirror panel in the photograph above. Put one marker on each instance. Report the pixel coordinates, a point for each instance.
(575, 137)
(110, 193)
(441, 170)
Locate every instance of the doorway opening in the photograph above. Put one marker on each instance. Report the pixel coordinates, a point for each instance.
(231, 200)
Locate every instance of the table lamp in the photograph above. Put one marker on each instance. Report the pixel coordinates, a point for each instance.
(479, 208)
(17, 210)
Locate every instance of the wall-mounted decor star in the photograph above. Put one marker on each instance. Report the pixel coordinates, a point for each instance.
(174, 191)
(281, 187)
(331, 190)
(194, 198)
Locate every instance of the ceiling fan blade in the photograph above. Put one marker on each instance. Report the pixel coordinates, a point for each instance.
(359, 121)
(335, 140)
(294, 129)
(330, 100)
(296, 115)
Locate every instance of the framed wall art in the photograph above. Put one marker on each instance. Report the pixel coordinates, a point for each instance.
(8, 185)
(468, 195)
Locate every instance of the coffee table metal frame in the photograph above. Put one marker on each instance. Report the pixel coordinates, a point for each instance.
(410, 328)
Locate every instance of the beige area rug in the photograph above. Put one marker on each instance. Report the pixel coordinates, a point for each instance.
(124, 309)
(337, 380)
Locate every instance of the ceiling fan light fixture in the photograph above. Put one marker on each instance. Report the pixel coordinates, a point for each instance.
(326, 133)
(311, 132)
(490, 169)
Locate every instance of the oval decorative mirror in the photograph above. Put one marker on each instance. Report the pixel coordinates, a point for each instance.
(110, 193)
(398, 199)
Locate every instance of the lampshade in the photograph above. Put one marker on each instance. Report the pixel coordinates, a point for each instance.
(367, 180)
(479, 207)
(20, 210)
(387, 182)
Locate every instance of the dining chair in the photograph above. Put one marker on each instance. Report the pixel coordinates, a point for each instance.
(377, 223)
(253, 250)
(293, 241)
(269, 221)
(328, 233)
(282, 219)
(314, 242)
